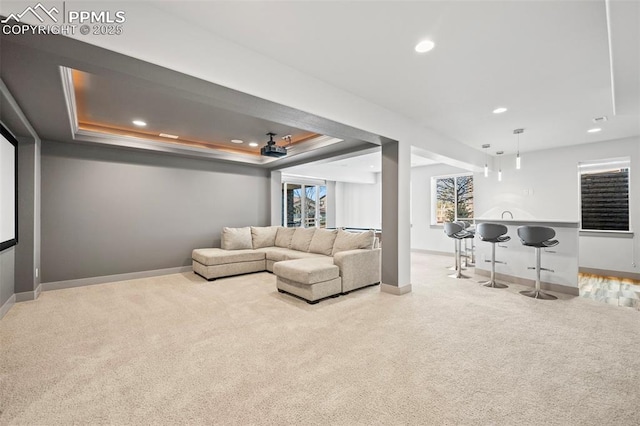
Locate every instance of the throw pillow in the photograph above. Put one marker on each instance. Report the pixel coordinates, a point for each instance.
(353, 240)
(236, 238)
(283, 237)
(322, 241)
(263, 236)
(302, 238)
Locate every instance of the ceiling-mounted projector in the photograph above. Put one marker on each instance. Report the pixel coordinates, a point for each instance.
(271, 149)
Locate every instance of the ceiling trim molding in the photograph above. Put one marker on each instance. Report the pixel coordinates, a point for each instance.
(70, 98)
(166, 147)
(80, 134)
(83, 135)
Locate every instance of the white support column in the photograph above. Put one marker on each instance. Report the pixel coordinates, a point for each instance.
(276, 198)
(331, 204)
(396, 214)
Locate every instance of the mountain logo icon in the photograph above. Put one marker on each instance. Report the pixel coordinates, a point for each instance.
(38, 11)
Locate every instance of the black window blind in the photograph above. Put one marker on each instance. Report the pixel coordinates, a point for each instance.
(605, 200)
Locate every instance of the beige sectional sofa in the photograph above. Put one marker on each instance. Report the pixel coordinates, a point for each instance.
(310, 263)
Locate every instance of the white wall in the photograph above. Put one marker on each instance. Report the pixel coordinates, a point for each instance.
(423, 235)
(548, 187)
(359, 205)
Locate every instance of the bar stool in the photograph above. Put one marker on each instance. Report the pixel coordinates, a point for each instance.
(537, 237)
(493, 233)
(471, 236)
(455, 249)
(457, 232)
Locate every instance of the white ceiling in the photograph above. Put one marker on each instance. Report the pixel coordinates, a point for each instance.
(355, 168)
(547, 62)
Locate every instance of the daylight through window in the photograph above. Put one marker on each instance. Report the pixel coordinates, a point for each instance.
(452, 198)
(304, 205)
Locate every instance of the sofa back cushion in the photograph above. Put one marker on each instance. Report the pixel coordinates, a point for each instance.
(322, 241)
(302, 239)
(283, 237)
(236, 238)
(353, 240)
(263, 236)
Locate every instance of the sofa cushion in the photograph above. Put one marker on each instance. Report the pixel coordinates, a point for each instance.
(353, 240)
(302, 238)
(216, 256)
(263, 236)
(322, 241)
(283, 237)
(236, 238)
(307, 271)
(278, 254)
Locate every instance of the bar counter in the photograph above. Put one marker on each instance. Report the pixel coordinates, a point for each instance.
(563, 258)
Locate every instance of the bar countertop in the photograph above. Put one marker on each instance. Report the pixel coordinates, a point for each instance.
(521, 222)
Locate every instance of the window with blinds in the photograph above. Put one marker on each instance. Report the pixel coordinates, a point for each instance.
(604, 190)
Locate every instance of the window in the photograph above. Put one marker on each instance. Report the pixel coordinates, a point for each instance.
(304, 205)
(452, 198)
(604, 195)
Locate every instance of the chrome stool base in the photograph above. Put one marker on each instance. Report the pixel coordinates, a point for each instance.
(493, 284)
(537, 294)
(459, 276)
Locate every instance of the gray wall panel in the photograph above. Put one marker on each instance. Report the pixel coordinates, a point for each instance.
(110, 211)
(25, 250)
(7, 271)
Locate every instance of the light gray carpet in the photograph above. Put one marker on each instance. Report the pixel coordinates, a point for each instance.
(180, 350)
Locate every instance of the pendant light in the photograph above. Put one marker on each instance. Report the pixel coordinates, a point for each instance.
(486, 162)
(499, 153)
(517, 132)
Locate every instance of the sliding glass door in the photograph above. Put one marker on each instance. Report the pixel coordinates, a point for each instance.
(304, 205)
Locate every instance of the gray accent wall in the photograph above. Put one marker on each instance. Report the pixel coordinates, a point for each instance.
(7, 274)
(109, 211)
(27, 253)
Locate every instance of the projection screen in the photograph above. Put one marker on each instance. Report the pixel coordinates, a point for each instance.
(8, 189)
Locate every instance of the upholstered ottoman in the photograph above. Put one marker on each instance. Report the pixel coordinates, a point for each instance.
(212, 263)
(311, 279)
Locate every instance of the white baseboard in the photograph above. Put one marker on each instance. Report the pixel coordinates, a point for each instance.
(439, 253)
(58, 285)
(7, 305)
(392, 289)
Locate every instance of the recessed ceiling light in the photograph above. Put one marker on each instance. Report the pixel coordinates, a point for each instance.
(139, 123)
(236, 141)
(372, 166)
(425, 46)
(594, 130)
(166, 135)
(253, 144)
(499, 110)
